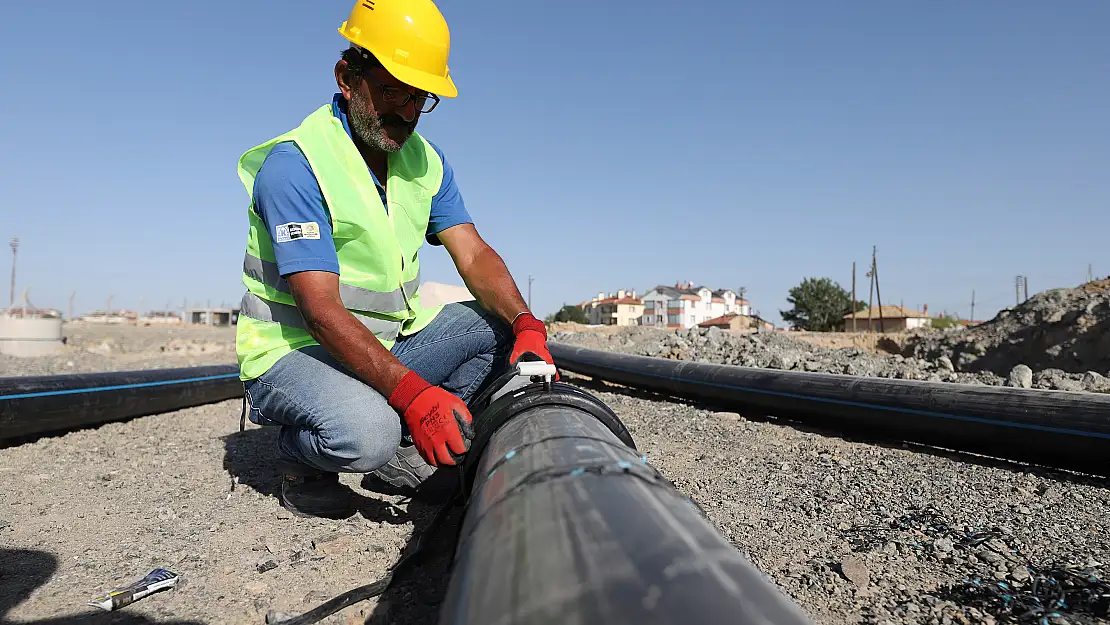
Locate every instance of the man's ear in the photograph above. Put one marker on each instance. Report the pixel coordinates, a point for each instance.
(343, 78)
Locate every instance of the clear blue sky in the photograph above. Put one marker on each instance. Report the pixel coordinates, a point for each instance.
(599, 145)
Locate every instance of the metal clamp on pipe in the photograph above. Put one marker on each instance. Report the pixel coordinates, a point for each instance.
(568, 523)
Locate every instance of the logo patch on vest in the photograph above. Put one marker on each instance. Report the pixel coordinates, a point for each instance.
(292, 231)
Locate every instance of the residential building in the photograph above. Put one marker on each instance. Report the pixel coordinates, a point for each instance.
(36, 313)
(893, 319)
(734, 321)
(622, 308)
(116, 317)
(685, 306)
(161, 317)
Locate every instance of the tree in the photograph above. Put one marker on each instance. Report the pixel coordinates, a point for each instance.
(571, 313)
(819, 305)
(944, 321)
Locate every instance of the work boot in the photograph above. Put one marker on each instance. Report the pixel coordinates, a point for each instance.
(309, 492)
(406, 471)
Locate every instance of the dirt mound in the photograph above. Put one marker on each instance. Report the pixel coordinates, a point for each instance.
(872, 342)
(1061, 330)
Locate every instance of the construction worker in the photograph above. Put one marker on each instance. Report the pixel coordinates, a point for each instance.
(334, 345)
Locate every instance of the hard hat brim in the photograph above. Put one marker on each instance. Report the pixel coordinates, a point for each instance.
(442, 86)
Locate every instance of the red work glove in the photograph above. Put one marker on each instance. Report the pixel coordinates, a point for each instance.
(440, 423)
(531, 338)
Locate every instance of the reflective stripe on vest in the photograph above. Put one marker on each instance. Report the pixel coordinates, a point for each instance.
(353, 297)
(257, 308)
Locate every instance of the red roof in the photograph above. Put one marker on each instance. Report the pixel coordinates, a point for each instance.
(612, 300)
(722, 320)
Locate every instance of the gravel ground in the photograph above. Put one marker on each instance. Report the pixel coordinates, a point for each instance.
(864, 533)
(855, 532)
(94, 347)
(113, 503)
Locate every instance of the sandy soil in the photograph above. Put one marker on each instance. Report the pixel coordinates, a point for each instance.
(873, 342)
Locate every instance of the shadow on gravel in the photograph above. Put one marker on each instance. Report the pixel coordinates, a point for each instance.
(599, 386)
(23, 570)
(415, 596)
(415, 593)
(851, 436)
(251, 456)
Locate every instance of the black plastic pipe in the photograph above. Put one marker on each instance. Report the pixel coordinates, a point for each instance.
(40, 405)
(566, 523)
(1052, 428)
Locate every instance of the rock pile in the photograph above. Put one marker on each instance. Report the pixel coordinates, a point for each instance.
(770, 350)
(1055, 333)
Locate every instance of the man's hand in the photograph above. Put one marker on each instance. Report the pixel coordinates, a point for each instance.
(440, 423)
(531, 338)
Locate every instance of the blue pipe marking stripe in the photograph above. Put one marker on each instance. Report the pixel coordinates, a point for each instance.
(842, 402)
(119, 387)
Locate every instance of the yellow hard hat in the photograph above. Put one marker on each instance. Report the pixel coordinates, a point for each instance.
(409, 38)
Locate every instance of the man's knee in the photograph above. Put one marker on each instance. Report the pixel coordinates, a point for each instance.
(363, 437)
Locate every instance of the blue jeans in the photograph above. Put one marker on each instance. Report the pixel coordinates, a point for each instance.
(334, 422)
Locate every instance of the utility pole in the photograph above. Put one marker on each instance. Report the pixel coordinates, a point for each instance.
(71, 296)
(878, 294)
(972, 305)
(871, 297)
(530, 292)
(15, 248)
(853, 296)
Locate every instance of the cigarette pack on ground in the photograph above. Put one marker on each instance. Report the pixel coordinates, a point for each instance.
(116, 598)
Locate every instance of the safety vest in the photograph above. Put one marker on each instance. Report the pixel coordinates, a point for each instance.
(378, 250)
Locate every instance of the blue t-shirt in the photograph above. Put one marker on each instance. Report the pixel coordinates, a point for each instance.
(287, 196)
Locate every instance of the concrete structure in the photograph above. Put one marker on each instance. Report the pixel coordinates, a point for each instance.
(30, 334)
(622, 308)
(212, 316)
(894, 319)
(733, 321)
(685, 306)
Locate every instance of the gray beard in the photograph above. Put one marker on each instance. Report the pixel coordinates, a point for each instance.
(367, 125)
